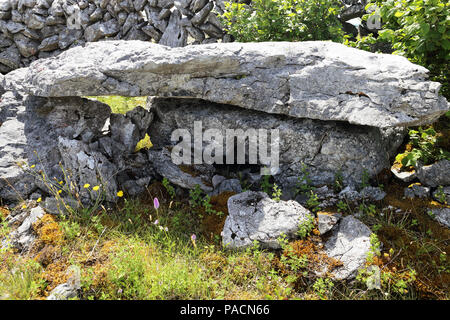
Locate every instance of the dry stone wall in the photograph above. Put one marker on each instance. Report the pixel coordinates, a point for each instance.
(33, 29)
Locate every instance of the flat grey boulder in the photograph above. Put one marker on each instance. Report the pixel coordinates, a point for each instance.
(254, 216)
(416, 191)
(63, 292)
(350, 244)
(437, 174)
(186, 177)
(370, 193)
(69, 289)
(316, 80)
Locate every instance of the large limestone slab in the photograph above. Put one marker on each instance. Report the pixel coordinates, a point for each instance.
(316, 80)
(324, 147)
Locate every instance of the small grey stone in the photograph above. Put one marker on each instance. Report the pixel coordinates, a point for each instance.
(216, 180)
(349, 243)
(233, 185)
(326, 222)
(253, 216)
(61, 206)
(405, 176)
(442, 194)
(49, 44)
(101, 29)
(416, 191)
(442, 215)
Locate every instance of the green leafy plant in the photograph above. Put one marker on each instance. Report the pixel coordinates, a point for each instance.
(424, 148)
(342, 207)
(313, 202)
(304, 182)
(305, 227)
(365, 179)
(276, 194)
(283, 20)
(375, 248)
(323, 287)
(196, 198)
(441, 197)
(169, 188)
(338, 181)
(266, 186)
(416, 29)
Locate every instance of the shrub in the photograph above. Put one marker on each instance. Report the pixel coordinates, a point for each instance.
(283, 20)
(416, 29)
(423, 142)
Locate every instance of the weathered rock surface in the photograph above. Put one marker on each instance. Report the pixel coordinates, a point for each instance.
(349, 193)
(416, 191)
(72, 132)
(437, 174)
(184, 176)
(30, 132)
(34, 28)
(315, 80)
(324, 147)
(230, 185)
(349, 243)
(23, 236)
(62, 206)
(254, 216)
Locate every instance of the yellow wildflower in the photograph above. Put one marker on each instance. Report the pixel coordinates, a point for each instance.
(120, 194)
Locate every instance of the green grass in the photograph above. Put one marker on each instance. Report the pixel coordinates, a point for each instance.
(121, 104)
(133, 251)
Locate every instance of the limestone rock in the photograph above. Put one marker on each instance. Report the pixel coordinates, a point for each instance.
(324, 147)
(349, 243)
(349, 193)
(174, 35)
(405, 176)
(23, 237)
(442, 195)
(187, 178)
(88, 166)
(326, 221)
(416, 191)
(436, 174)
(30, 132)
(316, 80)
(101, 29)
(69, 289)
(254, 216)
(442, 215)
